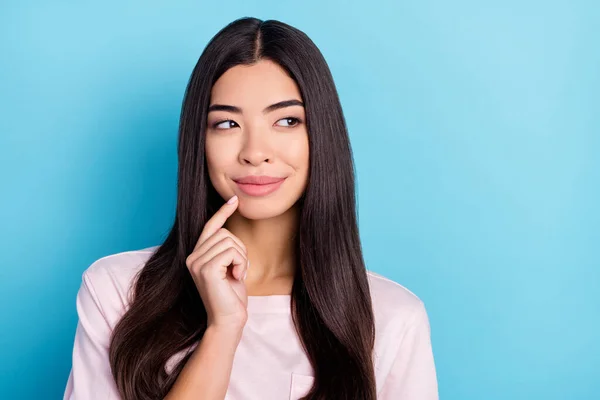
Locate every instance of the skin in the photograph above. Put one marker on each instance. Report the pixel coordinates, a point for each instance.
(255, 140)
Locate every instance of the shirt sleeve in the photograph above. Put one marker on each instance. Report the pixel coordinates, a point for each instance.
(90, 377)
(412, 375)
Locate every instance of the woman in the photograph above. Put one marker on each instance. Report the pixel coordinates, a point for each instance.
(266, 295)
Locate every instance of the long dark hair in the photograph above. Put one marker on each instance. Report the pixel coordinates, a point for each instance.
(330, 303)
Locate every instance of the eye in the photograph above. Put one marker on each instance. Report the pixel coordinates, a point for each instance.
(288, 121)
(228, 123)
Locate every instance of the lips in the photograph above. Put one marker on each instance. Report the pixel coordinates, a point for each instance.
(258, 180)
(259, 185)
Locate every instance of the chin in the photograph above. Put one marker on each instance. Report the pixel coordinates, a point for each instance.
(262, 208)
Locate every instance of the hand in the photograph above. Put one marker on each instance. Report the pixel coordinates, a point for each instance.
(221, 288)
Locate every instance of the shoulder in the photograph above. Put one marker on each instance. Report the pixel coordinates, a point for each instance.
(402, 352)
(395, 307)
(391, 297)
(109, 280)
(397, 311)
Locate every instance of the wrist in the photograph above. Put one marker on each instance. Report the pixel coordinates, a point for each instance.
(231, 331)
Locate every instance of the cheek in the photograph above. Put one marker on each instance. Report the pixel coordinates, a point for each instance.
(218, 155)
(297, 153)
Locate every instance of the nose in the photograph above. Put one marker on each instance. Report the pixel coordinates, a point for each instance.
(256, 148)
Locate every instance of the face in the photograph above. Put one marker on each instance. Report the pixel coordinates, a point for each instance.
(256, 127)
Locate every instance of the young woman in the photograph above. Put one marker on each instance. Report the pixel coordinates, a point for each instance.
(265, 295)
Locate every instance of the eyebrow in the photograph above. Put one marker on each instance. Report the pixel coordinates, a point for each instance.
(272, 107)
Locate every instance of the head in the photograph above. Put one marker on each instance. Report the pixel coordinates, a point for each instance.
(260, 101)
(256, 127)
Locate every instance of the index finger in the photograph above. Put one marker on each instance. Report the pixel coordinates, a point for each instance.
(217, 221)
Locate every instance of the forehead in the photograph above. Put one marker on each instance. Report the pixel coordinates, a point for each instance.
(255, 85)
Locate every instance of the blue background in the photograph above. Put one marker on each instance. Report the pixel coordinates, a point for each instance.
(475, 127)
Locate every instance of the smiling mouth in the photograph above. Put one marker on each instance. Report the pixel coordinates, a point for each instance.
(260, 189)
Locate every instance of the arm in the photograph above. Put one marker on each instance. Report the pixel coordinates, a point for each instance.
(413, 375)
(208, 370)
(90, 377)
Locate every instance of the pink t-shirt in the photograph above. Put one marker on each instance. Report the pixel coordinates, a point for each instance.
(269, 363)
